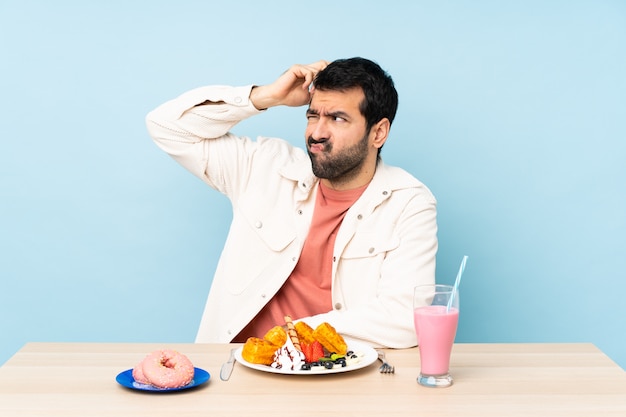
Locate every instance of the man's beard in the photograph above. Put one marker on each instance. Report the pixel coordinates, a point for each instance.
(342, 166)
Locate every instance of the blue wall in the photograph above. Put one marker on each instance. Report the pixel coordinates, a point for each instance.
(512, 112)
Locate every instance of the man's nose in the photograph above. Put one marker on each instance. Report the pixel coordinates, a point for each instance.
(320, 130)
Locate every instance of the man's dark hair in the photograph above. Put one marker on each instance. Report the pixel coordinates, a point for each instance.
(381, 97)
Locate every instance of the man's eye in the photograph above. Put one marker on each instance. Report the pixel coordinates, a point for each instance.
(339, 119)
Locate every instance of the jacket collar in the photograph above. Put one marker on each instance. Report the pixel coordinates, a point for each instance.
(386, 180)
(299, 171)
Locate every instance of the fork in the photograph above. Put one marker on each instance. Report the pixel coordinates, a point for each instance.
(385, 368)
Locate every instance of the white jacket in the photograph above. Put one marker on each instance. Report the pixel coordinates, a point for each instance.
(386, 244)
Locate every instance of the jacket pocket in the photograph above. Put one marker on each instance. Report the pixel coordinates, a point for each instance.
(367, 244)
(272, 227)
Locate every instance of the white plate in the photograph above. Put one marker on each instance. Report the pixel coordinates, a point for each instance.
(366, 352)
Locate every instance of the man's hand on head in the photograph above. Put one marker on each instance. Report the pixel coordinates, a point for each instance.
(292, 88)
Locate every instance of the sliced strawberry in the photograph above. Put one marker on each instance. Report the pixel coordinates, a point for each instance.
(307, 350)
(317, 351)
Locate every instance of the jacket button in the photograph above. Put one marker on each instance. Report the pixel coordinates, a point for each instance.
(360, 216)
(385, 193)
(258, 224)
(300, 212)
(371, 250)
(237, 100)
(338, 306)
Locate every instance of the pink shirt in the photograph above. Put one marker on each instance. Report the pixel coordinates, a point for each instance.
(307, 291)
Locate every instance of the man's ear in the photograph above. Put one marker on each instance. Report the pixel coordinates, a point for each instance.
(380, 132)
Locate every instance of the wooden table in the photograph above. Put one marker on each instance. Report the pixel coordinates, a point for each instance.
(78, 379)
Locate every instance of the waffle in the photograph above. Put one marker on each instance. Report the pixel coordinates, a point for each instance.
(329, 338)
(277, 336)
(305, 332)
(261, 351)
(258, 351)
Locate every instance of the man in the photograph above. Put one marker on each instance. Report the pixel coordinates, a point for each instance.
(331, 234)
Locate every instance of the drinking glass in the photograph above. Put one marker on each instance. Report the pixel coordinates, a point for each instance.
(436, 317)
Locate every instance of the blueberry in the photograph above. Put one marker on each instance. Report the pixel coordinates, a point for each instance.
(329, 365)
(305, 367)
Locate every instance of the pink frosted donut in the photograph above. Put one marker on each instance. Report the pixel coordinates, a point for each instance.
(138, 375)
(167, 369)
